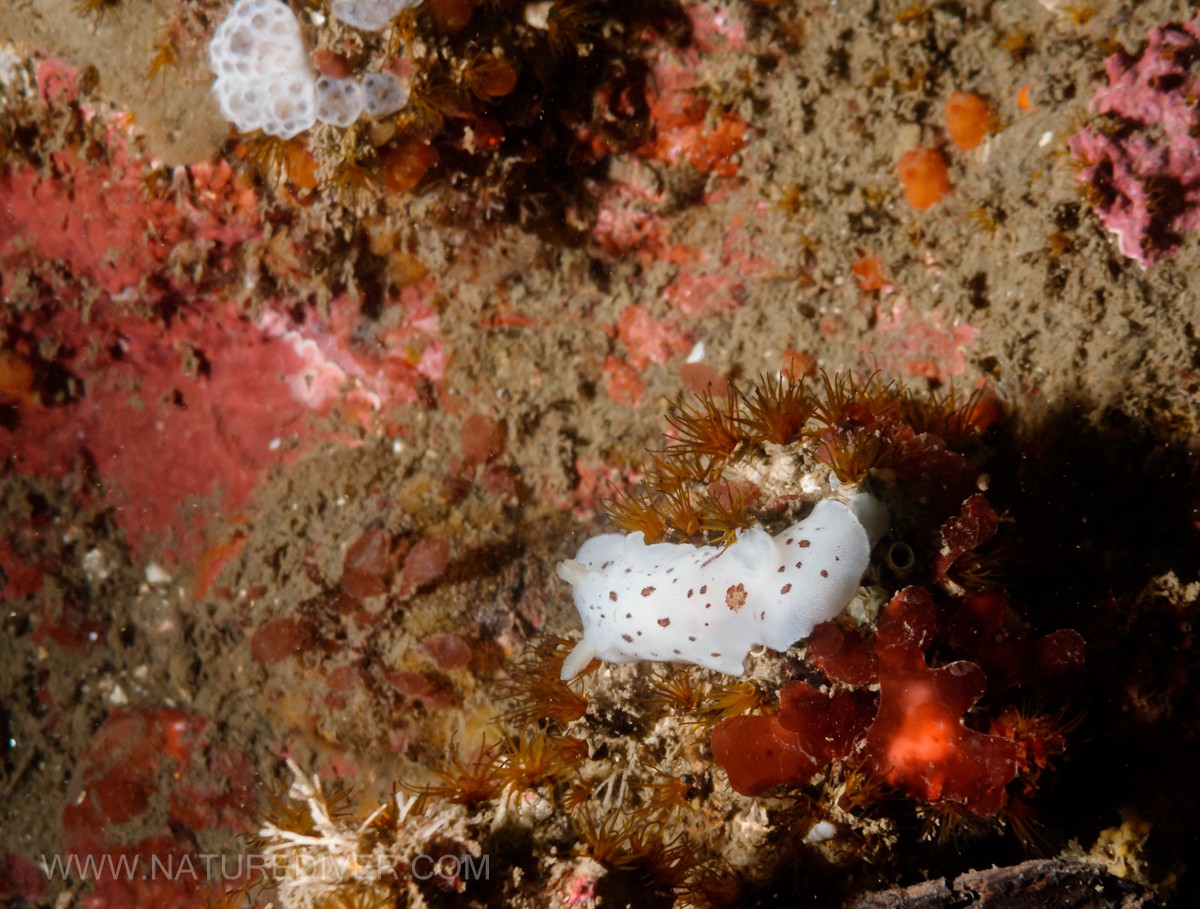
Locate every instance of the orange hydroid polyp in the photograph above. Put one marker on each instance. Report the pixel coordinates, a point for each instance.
(923, 176)
(968, 120)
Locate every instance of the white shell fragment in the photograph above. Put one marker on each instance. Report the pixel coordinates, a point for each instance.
(707, 605)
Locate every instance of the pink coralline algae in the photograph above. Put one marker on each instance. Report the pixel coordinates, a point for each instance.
(144, 768)
(366, 368)
(648, 339)
(685, 130)
(153, 433)
(1141, 166)
(916, 342)
(100, 220)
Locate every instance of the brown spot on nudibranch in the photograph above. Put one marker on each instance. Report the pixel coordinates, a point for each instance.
(735, 597)
(824, 573)
(786, 588)
(612, 595)
(663, 623)
(646, 591)
(628, 639)
(804, 544)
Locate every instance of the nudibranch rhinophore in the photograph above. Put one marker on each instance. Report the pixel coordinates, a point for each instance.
(709, 605)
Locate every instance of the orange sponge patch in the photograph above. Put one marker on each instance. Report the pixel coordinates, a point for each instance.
(968, 120)
(923, 176)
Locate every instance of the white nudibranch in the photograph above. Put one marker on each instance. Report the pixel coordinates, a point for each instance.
(709, 605)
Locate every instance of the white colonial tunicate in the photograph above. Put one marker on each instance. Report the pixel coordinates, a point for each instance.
(370, 15)
(264, 80)
(709, 605)
(339, 101)
(383, 94)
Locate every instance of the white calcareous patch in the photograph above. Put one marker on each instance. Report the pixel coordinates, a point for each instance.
(383, 94)
(707, 605)
(339, 101)
(264, 80)
(370, 15)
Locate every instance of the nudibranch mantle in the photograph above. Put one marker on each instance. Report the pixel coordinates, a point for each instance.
(709, 605)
